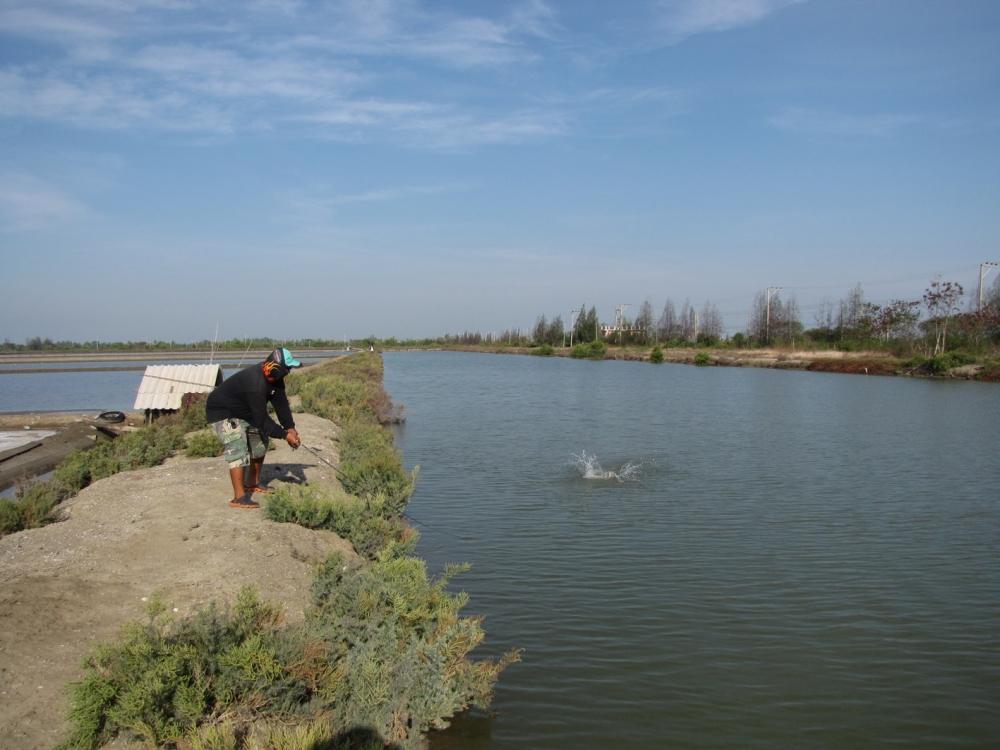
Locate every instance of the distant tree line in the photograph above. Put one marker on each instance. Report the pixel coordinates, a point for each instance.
(931, 325)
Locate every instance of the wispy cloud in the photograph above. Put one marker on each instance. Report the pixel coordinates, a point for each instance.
(275, 64)
(27, 203)
(680, 19)
(41, 23)
(817, 122)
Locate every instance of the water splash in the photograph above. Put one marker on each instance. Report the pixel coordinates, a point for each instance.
(590, 468)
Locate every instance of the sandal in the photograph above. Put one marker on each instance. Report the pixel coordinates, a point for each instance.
(243, 502)
(258, 489)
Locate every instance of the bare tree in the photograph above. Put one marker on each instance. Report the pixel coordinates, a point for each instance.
(824, 314)
(540, 329)
(942, 299)
(688, 324)
(789, 324)
(851, 310)
(757, 322)
(710, 324)
(644, 321)
(667, 324)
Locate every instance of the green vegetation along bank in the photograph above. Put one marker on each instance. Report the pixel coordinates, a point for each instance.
(381, 657)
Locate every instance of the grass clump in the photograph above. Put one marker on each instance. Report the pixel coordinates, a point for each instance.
(349, 391)
(701, 359)
(345, 388)
(545, 350)
(656, 355)
(383, 647)
(593, 350)
(203, 444)
(366, 524)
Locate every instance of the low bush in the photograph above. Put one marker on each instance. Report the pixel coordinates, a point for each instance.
(942, 363)
(382, 647)
(593, 350)
(203, 444)
(545, 350)
(937, 365)
(367, 524)
(656, 355)
(345, 387)
(165, 677)
(701, 359)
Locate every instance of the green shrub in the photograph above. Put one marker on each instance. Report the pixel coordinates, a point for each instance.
(383, 647)
(942, 363)
(203, 445)
(656, 355)
(545, 350)
(938, 365)
(701, 359)
(164, 677)
(367, 524)
(34, 505)
(593, 350)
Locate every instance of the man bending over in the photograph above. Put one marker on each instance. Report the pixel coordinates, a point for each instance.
(237, 411)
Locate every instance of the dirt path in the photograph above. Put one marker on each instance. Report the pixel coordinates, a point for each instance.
(168, 529)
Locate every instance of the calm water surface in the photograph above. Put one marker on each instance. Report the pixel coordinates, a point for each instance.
(807, 561)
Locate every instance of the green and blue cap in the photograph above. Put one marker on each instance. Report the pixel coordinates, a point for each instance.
(279, 363)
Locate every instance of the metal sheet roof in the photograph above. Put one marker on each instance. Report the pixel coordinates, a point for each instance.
(163, 386)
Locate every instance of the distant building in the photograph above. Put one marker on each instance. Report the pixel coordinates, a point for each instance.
(163, 387)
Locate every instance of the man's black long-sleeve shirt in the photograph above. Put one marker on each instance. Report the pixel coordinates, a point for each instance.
(245, 396)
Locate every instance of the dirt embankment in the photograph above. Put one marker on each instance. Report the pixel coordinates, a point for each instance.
(167, 529)
(849, 363)
(73, 431)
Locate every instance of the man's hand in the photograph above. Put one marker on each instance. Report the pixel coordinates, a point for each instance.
(292, 437)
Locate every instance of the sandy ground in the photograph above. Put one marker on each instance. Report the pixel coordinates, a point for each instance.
(167, 529)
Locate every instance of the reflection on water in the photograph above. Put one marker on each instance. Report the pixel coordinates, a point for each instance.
(806, 560)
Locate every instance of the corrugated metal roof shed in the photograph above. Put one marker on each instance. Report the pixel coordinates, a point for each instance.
(163, 386)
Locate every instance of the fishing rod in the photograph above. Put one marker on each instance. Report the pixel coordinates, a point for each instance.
(340, 476)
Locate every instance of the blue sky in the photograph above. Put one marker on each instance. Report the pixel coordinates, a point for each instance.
(396, 167)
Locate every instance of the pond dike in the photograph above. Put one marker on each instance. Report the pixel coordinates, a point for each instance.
(58, 435)
(168, 529)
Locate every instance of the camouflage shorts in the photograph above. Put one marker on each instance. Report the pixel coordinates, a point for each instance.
(240, 441)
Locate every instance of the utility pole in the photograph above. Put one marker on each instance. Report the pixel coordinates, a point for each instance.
(984, 268)
(771, 291)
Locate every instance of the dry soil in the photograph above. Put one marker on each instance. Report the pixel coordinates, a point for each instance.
(167, 529)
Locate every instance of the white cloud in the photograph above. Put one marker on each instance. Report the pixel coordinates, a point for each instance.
(227, 73)
(274, 64)
(685, 18)
(27, 203)
(105, 102)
